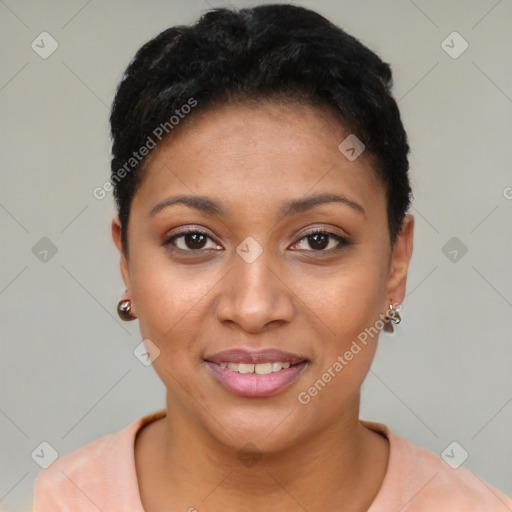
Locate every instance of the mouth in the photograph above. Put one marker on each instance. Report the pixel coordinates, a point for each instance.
(260, 368)
(256, 374)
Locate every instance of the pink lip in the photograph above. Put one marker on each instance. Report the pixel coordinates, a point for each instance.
(254, 385)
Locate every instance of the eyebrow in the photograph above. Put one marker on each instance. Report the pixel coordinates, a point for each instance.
(212, 207)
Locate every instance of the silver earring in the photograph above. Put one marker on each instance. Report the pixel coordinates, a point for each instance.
(394, 314)
(393, 317)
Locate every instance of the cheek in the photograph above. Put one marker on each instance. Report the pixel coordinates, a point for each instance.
(351, 310)
(347, 298)
(169, 300)
(349, 303)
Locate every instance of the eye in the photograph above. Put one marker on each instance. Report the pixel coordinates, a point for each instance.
(318, 240)
(191, 240)
(196, 240)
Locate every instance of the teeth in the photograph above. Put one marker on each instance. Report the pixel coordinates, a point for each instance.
(263, 368)
(260, 368)
(277, 366)
(245, 368)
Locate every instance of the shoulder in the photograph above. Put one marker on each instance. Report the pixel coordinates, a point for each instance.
(453, 488)
(420, 480)
(93, 477)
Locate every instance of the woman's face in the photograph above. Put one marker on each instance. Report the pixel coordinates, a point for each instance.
(255, 278)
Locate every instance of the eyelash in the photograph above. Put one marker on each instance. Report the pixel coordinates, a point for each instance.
(342, 241)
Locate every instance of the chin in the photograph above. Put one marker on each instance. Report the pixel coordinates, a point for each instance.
(267, 428)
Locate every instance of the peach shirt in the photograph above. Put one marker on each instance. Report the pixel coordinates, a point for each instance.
(101, 476)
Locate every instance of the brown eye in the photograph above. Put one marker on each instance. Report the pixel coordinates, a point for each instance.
(319, 240)
(191, 240)
(194, 240)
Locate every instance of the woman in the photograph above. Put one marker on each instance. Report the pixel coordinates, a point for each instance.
(260, 173)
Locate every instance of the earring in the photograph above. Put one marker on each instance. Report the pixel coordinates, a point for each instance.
(124, 308)
(394, 314)
(393, 317)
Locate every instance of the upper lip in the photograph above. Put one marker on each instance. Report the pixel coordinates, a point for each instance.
(248, 356)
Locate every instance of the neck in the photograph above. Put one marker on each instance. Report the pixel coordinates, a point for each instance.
(343, 463)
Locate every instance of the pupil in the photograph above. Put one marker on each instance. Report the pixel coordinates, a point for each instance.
(196, 242)
(323, 243)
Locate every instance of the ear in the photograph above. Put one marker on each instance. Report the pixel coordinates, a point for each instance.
(116, 236)
(399, 263)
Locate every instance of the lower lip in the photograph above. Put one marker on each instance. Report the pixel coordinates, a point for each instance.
(253, 384)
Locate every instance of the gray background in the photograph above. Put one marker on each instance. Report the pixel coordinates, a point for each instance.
(68, 373)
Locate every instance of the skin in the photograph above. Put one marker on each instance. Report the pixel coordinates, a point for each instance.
(297, 296)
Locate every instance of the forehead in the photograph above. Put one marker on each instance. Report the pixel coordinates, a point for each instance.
(258, 152)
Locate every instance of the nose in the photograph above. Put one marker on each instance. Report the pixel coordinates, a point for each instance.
(254, 295)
